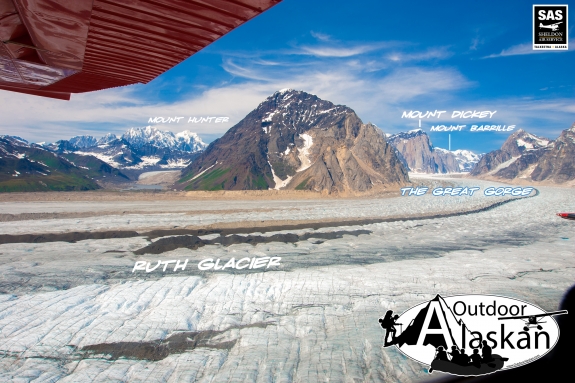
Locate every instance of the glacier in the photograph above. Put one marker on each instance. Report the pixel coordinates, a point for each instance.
(74, 311)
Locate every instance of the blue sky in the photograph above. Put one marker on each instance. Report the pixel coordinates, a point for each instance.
(379, 58)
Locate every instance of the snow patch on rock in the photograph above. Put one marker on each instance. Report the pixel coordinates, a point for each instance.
(303, 152)
(279, 183)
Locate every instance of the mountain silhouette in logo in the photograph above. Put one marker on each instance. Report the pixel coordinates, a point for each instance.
(440, 317)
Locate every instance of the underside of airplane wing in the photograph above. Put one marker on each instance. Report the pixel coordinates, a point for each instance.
(536, 315)
(53, 48)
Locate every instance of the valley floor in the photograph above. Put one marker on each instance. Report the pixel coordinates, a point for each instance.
(75, 311)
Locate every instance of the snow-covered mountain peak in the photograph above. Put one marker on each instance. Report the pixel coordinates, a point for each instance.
(109, 137)
(190, 141)
(137, 149)
(150, 135)
(467, 154)
(530, 141)
(294, 106)
(521, 141)
(190, 137)
(285, 93)
(466, 159)
(406, 135)
(16, 140)
(82, 142)
(185, 141)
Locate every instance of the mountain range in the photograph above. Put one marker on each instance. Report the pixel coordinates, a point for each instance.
(292, 140)
(418, 154)
(295, 140)
(31, 167)
(532, 158)
(137, 150)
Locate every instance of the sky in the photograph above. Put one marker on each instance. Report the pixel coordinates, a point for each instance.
(379, 58)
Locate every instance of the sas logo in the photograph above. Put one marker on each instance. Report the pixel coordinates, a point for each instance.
(470, 335)
(550, 27)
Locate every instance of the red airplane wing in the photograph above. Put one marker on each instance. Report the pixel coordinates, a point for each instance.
(53, 48)
(566, 215)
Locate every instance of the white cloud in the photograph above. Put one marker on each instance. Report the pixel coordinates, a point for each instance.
(378, 89)
(320, 36)
(408, 83)
(545, 118)
(115, 110)
(521, 49)
(475, 43)
(525, 49)
(338, 51)
(530, 114)
(235, 69)
(430, 54)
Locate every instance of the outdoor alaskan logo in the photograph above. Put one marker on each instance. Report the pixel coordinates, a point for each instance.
(550, 26)
(472, 334)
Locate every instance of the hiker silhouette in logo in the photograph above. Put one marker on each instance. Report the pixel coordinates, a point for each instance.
(388, 324)
(486, 352)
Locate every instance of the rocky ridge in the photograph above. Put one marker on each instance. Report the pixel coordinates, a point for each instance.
(295, 140)
(420, 156)
(517, 157)
(30, 167)
(529, 157)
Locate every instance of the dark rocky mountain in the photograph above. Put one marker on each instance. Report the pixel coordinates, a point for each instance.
(558, 163)
(138, 150)
(294, 140)
(420, 156)
(518, 157)
(30, 167)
